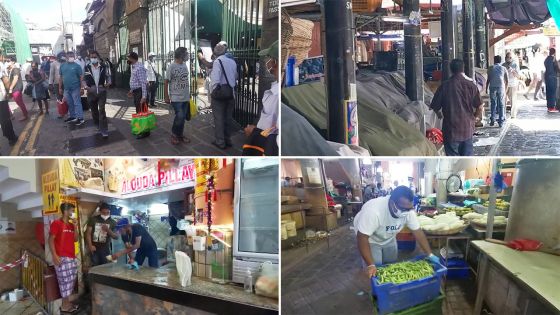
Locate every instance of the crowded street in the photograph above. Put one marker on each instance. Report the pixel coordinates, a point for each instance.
(47, 135)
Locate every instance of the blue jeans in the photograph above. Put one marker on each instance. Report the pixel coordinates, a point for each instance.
(550, 82)
(74, 103)
(180, 116)
(497, 104)
(459, 148)
(153, 260)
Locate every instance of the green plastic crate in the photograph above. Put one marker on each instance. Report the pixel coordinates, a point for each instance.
(433, 307)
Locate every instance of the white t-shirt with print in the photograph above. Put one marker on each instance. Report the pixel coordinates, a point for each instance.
(375, 220)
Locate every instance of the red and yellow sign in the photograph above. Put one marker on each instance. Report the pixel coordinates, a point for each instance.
(51, 193)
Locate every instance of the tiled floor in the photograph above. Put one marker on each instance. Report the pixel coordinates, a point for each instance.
(25, 307)
(329, 280)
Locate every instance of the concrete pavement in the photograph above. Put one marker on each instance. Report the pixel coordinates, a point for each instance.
(47, 135)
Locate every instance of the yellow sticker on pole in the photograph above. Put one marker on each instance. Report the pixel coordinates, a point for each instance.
(51, 192)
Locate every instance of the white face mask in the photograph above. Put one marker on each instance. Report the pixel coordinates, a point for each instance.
(71, 59)
(400, 213)
(105, 217)
(94, 61)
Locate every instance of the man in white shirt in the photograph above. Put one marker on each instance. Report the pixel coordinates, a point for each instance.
(152, 79)
(513, 73)
(26, 70)
(264, 135)
(224, 72)
(378, 223)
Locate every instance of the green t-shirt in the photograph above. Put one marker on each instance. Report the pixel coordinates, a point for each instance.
(98, 236)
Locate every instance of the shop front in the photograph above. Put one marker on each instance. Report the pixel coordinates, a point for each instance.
(216, 244)
(433, 236)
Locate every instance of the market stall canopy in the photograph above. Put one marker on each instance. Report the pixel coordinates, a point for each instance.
(510, 12)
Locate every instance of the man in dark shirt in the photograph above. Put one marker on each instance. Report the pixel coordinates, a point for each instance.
(459, 100)
(99, 233)
(137, 238)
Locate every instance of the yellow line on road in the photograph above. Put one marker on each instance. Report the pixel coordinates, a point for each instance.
(21, 138)
(33, 138)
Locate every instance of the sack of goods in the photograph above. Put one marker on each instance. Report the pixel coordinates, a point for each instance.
(448, 222)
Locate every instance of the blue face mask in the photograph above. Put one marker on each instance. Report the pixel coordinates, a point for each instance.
(94, 61)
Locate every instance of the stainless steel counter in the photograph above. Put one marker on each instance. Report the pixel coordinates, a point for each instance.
(156, 287)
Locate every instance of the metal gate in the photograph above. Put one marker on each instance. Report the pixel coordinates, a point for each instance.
(170, 25)
(123, 73)
(242, 31)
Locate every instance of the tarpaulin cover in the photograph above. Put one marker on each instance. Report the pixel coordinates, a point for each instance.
(381, 131)
(522, 12)
(299, 138)
(554, 8)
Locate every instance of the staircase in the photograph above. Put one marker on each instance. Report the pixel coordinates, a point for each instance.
(20, 194)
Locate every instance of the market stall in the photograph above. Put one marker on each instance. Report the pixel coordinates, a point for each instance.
(486, 241)
(213, 223)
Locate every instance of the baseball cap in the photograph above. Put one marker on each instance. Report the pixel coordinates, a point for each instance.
(29, 59)
(152, 54)
(122, 223)
(271, 51)
(223, 43)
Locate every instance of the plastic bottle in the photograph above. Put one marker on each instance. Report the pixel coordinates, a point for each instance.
(290, 71)
(248, 282)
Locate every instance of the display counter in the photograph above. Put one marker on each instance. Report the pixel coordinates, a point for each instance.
(516, 282)
(118, 290)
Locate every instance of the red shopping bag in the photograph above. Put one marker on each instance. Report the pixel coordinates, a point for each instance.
(62, 107)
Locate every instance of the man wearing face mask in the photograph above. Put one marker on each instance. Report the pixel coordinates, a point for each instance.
(177, 93)
(97, 81)
(138, 85)
(378, 223)
(99, 230)
(151, 73)
(69, 85)
(262, 138)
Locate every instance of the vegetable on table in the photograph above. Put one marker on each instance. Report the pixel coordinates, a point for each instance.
(404, 272)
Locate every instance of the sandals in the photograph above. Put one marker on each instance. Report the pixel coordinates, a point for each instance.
(73, 310)
(185, 140)
(175, 140)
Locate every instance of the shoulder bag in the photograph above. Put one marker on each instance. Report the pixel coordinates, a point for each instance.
(223, 92)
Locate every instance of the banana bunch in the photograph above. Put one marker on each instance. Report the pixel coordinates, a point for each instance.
(501, 205)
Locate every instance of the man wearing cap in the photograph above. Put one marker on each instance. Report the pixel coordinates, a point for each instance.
(262, 138)
(378, 223)
(62, 235)
(136, 238)
(99, 233)
(138, 85)
(224, 73)
(151, 74)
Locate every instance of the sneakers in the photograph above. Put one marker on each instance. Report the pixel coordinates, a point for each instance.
(79, 122)
(69, 119)
(104, 134)
(553, 110)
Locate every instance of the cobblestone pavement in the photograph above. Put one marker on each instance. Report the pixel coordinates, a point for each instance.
(533, 132)
(46, 135)
(330, 280)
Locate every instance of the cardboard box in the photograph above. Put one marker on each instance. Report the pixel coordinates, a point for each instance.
(318, 222)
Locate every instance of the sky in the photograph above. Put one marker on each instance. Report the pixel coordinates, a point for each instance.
(48, 12)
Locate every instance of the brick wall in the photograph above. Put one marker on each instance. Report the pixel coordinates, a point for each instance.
(10, 250)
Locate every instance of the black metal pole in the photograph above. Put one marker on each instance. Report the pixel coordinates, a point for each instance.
(413, 60)
(447, 37)
(468, 39)
(340, 72)
(480, 29)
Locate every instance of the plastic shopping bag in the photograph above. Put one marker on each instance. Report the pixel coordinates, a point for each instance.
(143, 122)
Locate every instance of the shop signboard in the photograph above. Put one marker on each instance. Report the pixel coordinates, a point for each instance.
(82, 173)
(51, 192)
(127, 176)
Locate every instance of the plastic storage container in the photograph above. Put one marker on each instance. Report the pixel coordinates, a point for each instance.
(433, 307)
(397, 297)
(406, 245)
(457, 269)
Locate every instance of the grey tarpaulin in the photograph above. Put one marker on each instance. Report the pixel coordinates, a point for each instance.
(299, 138)
(381, 131)
(509, 12)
